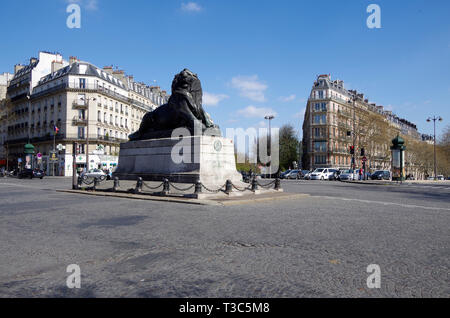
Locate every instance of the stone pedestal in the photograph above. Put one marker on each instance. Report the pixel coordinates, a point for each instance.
(207, 159)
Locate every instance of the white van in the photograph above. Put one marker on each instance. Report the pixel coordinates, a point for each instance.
(322, 174)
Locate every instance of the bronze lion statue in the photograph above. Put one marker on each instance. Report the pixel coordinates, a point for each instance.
(184, 109)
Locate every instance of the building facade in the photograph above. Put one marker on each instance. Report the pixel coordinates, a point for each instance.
(74, 102)
(337, 119)
(5, 78)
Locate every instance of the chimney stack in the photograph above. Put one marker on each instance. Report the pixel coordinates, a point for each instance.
(108, 69)
(72, 60)
(56, 66)
(33, 60)
(17, 68)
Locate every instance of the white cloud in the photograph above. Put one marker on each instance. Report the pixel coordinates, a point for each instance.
(213, 99)
(258, 112)
(90, 5)
(191, 7)
(289, 98)
(250, 87)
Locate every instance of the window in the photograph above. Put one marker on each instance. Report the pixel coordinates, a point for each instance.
(320, 159)
(320, 146)
(317, 107)
(81, 133)
(324, 107)
(320, 94)
(320, 119)
(82, 83)
(317, 132)
(99, 116)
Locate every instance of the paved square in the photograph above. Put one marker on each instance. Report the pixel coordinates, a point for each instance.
(318, 246)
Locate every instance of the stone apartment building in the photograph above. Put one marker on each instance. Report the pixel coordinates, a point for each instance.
(335, 118)
(5, 78)
(82, 101)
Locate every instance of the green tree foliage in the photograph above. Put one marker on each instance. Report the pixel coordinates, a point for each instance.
(289, 147)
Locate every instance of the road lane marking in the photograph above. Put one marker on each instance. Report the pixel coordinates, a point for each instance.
(386, 203)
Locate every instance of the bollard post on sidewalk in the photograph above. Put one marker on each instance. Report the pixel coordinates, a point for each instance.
(254, 185)
(198, 187)
(166, 187)
(228, 187)
(138, 186)
(277, 184)
(116, 184)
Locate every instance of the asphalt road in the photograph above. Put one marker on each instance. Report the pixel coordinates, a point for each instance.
(318, 246)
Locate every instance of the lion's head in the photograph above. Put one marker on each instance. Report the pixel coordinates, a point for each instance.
(188, 81)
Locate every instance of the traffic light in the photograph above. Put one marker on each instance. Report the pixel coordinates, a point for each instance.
(363, 152)
(352, 150)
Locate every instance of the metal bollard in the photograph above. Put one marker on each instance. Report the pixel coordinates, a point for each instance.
(228, 187)
(254, 185)
(166, 187)
(277, 184)
(198, 187)
(116, 184)
(79, 183)
(138, 186)
(96, 183)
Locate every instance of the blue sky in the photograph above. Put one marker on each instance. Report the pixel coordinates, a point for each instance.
(253, 57)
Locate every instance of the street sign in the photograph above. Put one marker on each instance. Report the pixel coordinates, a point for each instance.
(53, 156)
(39, 156)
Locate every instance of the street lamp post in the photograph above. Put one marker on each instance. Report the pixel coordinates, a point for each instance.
(434, 118)
(269, 135)
(353, 100)
(87, 130)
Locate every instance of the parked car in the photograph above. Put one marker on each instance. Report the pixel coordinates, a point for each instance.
(294, 174)
(440, 178)
(334, 175)
(94, 173)
(307, 175)
(381, 175)
(346, 175)
(25, 173)
(38, 174)
(321, 174)
(284, 174)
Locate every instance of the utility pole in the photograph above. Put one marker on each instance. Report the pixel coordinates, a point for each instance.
(434, 118)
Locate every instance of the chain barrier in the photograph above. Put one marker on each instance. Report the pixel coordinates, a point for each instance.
(249, 188)
(181, 189)
(267, 185)
(214, 191)
(152, 188)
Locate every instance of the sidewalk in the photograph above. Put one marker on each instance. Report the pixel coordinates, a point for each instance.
(407, 182)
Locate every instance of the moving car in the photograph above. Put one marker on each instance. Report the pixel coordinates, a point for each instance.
(94, 173)
(381, 175)
(347, 175)
(322, 174)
